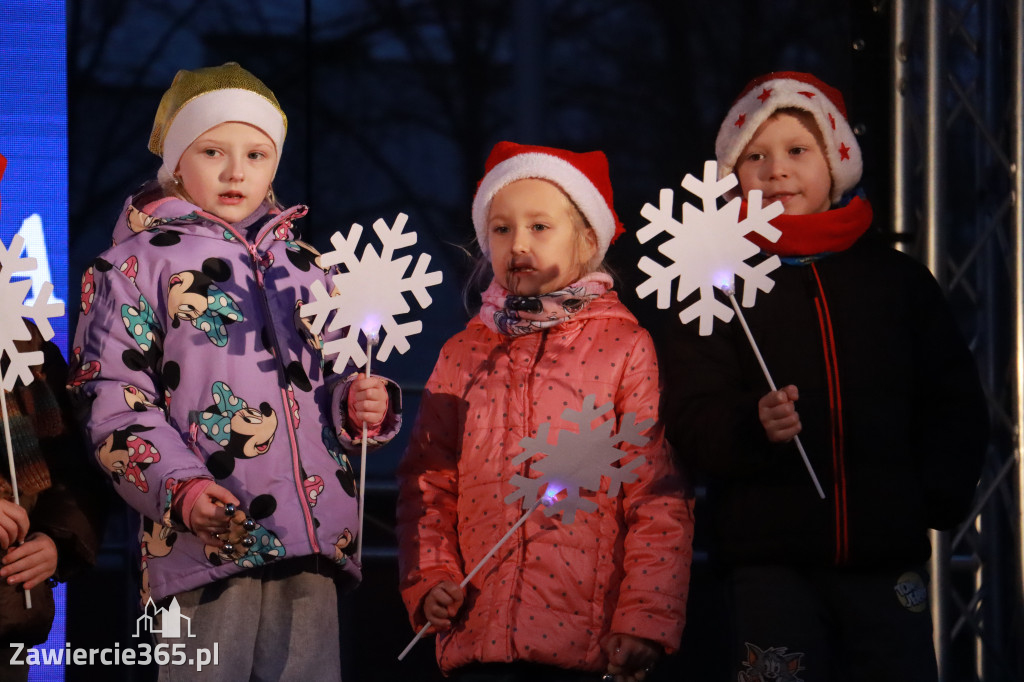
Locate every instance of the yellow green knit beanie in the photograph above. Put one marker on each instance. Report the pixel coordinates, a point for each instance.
(201, 99)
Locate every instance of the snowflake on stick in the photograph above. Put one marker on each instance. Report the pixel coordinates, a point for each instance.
(708, 248)
(14, 310)
(371, 292)
(578, 460)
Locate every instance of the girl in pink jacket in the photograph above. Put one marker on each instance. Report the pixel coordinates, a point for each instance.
(598, 589)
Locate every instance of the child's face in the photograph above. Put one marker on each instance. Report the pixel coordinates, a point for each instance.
(785, 159)
(228, 169)
(536, 239)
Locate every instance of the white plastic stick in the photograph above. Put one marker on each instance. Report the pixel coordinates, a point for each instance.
(476, 569)
(371, 340)
(10, 466)
(764, 368)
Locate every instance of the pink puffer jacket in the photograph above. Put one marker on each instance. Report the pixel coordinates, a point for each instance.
(554, 589)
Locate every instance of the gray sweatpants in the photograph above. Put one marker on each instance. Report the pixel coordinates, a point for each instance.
(264, 624)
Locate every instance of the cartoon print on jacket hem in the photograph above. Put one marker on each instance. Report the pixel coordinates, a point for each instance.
(144, 592)
(244, 432)
(192, 296)
(126, 455)
(344, 547)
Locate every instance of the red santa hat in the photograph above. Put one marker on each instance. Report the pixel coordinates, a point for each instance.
(765, 95)
(582, 176)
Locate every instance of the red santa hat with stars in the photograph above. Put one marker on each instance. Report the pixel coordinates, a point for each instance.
(765, 95)
(583, 176)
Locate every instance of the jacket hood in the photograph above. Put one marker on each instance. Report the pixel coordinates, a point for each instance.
(150, 207)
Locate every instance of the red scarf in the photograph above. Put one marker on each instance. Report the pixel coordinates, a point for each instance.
(816, 233)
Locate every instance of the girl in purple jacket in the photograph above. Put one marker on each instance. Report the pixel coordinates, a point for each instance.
(209, 403)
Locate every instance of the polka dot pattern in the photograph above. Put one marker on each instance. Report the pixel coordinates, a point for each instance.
(552, 590)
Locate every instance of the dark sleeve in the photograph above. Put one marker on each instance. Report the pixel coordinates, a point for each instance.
(952, 416)
(73, 510)
(709, 405)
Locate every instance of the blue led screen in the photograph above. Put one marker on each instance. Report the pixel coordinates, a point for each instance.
(33, 137)
(34, 188)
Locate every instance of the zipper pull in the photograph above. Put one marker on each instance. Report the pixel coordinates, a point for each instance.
(258, 263)
(193, 434)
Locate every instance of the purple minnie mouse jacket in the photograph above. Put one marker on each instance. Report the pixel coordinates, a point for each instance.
(190, 360)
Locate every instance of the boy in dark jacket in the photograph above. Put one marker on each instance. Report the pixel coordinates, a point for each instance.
(891, 413)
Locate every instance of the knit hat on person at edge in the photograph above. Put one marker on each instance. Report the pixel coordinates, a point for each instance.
(765, 95)
(201, 99)
(583, 176)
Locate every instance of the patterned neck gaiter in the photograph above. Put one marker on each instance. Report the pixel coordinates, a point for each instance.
(513, 315)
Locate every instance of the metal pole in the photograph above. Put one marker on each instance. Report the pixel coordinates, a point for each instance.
(1017, 154)
(934, 147)
(898, 116)
(932, 244)
(991, 524)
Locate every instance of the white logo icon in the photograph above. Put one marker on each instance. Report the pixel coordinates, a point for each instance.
(170, 620)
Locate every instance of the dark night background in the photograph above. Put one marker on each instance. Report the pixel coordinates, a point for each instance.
(393, 106)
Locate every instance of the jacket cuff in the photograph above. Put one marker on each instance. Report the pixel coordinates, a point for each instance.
(654, 616)
(414, 595)
(388, 428)
(184, 497)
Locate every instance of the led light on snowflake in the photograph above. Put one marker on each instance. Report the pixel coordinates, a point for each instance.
(707, 249)
(577, 459)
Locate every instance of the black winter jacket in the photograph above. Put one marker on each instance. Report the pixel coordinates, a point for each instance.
(893, 414)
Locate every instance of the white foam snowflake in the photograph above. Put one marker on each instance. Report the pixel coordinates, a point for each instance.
(708, 249)
(578, 460)
(370, 293)
(14, 310)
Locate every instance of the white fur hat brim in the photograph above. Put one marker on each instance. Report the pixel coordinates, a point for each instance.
(575, 183)
(220, 106)
(799, 91)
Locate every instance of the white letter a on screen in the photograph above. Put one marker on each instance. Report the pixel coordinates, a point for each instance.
(35, 247)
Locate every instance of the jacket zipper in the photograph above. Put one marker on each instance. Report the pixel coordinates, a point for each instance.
(835, 404)
(255, 262)
(524, 470)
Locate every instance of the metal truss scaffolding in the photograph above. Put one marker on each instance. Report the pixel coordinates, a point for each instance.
(957, 188)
